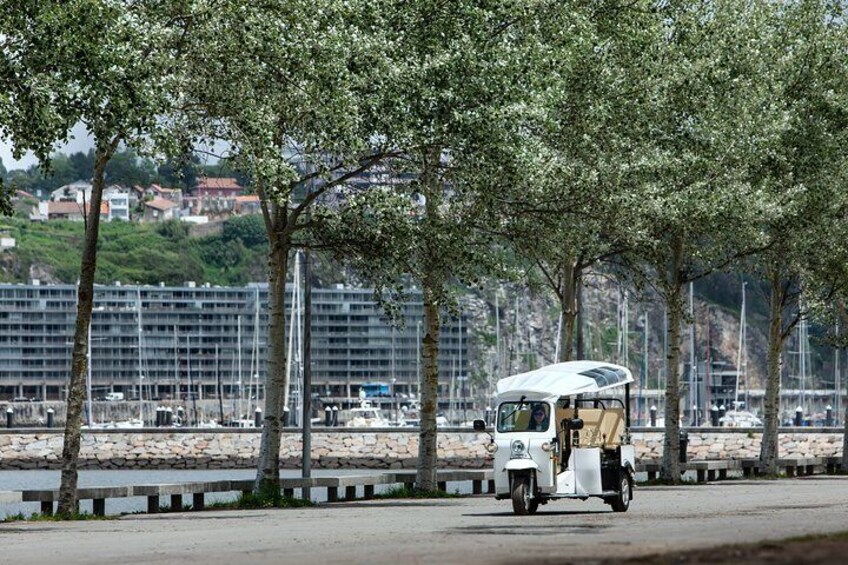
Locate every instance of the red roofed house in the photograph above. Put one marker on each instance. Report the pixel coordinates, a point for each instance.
(69, 210)
(159, 210)
(214, 187)
(172, 194)
(247, 204)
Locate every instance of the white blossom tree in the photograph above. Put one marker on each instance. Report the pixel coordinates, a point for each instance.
(706, 110)
(801, 181)
(291, 89)
(108, 64)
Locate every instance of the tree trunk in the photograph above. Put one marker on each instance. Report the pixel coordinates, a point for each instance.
(569, 309)
(771, 408)
(673, 289)
(268, 467)
(580, 352)
(425, 479)
(568, 304)
(68, 503)
(433, 283)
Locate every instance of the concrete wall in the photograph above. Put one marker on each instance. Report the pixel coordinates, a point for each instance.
(348, 448)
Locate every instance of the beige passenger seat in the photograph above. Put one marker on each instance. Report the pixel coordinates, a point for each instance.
(590, 435)
(612, 427)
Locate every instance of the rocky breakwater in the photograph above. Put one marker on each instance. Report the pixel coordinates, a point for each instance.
(230, 449)
(387, 448)
(705, 443)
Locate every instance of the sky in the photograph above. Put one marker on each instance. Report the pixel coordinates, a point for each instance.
(81, 142)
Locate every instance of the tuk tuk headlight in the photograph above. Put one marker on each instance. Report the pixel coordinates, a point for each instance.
(546, 447)
(492, 447)
(517, 448)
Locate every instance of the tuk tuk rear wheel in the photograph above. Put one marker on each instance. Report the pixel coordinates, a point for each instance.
(522, 503)
(621, 501)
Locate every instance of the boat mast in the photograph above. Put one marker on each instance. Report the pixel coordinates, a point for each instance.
(191, 394)
(460, 377)
(239, 383)
(255, 355)
(739, 354)
(692, 368)
(394, 377)
(802, 351)
(140, 369)
(176, 364)
(88, 379)
(418, 360)
(837, 379)
(292, 311)
(640, 400)
(219, 387)
(498, 353)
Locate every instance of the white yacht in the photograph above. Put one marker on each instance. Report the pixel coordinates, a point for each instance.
(740, 419)
(366, 416)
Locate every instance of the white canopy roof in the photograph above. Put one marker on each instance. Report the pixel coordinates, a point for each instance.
(566, 379)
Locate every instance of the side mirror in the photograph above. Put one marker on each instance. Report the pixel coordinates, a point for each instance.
(576, 424)
(479, 426)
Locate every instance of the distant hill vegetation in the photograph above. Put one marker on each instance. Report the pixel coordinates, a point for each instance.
(137, 253)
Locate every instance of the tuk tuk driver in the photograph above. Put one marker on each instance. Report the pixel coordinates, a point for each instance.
(538, 418)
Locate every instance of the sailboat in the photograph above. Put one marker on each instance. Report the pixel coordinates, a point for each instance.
(238, 421)
(91, 423)
(738, 418)
(137, 422)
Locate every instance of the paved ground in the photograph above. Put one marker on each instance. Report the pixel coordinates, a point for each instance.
(466, 530)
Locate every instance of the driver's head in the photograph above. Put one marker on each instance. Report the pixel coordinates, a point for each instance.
(538, 412)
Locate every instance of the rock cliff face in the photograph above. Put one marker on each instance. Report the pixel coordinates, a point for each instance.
(523, 334)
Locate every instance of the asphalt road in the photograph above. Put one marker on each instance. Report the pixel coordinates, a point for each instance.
(466, 530)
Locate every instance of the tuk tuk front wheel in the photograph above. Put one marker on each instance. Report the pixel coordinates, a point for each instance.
(621, 501)
(523, 502)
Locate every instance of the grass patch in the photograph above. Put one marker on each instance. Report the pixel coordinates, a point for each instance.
(839, 536)
(19, 517)
(269, 498)
(403, 492)
(37, 517)
(165, 508)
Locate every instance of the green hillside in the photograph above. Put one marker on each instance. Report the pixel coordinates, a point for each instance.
(137, 253)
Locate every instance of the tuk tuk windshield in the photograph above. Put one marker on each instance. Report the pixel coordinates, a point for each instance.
(523, 417)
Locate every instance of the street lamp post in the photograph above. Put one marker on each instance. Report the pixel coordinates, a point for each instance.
(394, 399)
(418, 360)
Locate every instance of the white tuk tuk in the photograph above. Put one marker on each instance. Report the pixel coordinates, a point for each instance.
(558, 436)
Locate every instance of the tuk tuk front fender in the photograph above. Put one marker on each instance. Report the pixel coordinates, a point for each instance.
(520, 465)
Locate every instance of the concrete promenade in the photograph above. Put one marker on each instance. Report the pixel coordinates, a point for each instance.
(468, 530)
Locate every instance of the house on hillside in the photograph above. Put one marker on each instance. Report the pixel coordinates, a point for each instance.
(247, 204)
(217, 187)
(72, 211)
(119, 202)
(172, 194)
(78, 191)
(160, 210)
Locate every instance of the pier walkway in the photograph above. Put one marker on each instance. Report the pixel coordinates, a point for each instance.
(362, 486)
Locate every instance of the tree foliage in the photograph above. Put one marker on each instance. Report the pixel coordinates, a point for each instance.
(299, 124)
(108, 64)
